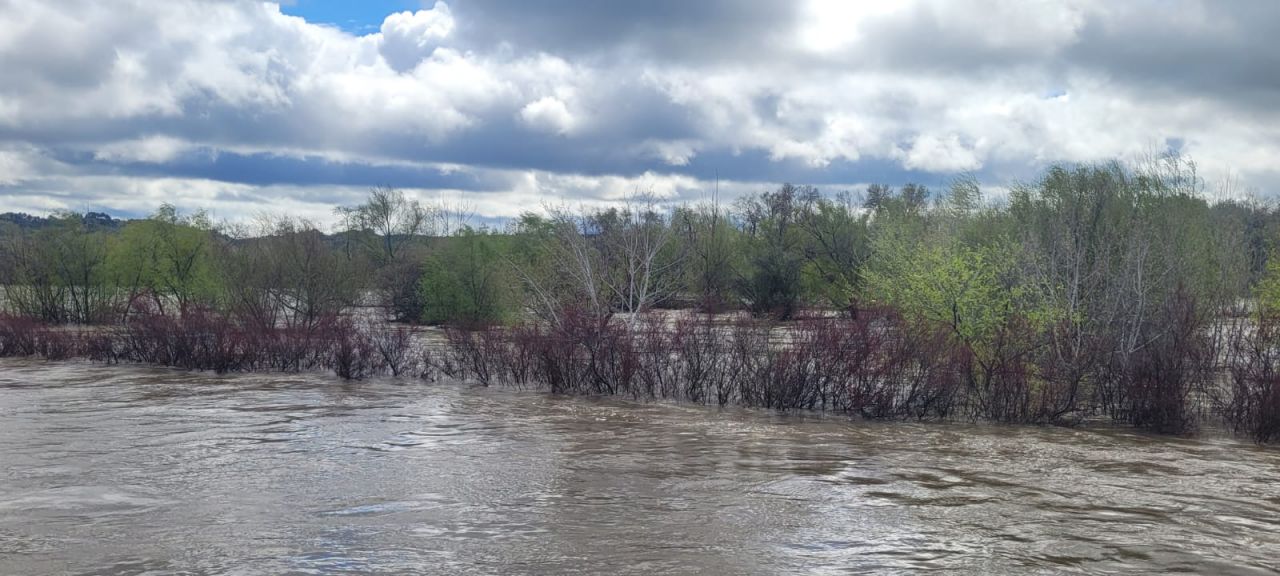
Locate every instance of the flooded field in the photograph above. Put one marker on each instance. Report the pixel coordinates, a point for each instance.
(136, 470)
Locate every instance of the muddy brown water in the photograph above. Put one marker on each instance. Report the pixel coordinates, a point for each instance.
(135, 470)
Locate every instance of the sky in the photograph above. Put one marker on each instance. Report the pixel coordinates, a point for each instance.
(242, 107)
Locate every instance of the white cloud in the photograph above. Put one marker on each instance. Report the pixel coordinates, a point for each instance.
(506, 194)
(408, 37)
(935, 86)
(830, 25)
(15, 167)
(152, 149)
(670, 152)
(548, 114)
(933, 153)
(867, 31)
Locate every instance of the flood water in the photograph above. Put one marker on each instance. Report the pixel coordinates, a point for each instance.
(131, 470)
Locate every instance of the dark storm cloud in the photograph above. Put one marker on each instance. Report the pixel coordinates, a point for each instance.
(1226, 51)
(667, 29)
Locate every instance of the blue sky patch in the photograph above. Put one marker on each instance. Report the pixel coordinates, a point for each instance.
(361, 17)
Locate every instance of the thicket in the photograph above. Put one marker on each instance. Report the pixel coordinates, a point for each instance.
(1100, 291)
(207, 341)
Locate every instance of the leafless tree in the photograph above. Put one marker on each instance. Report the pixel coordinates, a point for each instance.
(389, 221)
(285, 275)
(450, 215)
(389, 224)
(639, 256)
(603, 261)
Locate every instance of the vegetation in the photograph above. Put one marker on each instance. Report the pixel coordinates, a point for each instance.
(466, 281)
(1101, 291)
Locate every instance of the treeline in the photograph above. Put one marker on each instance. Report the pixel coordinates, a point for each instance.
(278, 270)
(24, 220)
(1094, 292)
(1102, 291)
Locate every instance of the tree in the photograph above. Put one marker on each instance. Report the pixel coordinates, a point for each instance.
(976, 296)
(168, 260)
(466, 281)
(390, 226)
(640, 261)
(836, 245)
(79, 256)
(286, 274)
(710, 245)
(57, 272)
(561, 267)
(387, 222)
(771, 281)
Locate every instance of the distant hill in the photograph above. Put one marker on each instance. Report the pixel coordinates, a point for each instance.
(100, 221)
(29, 222)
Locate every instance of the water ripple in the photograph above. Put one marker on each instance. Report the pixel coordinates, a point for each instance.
(134, 470)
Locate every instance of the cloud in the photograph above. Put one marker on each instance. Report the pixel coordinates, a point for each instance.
(15, 166)
(151, 149)
(408, 37)
(656, 30)
(236, 93)
(548, 114)
(933, 153)
(671, 152)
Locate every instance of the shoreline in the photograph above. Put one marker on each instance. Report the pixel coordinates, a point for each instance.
(1213, 433)
(432, 354)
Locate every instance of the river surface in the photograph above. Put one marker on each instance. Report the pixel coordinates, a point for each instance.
(132, 470)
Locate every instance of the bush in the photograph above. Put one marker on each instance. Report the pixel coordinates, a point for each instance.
(203, 340)
(464, 283)
(1252, 401)
(869, 366)
(1153, 386)
(19, 335)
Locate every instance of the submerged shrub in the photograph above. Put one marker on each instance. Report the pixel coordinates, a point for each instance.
(353, 355)
(206, 341)
(868, 365)
(1155, 385)
(394, 345)
(19, 335)
(1251, 402)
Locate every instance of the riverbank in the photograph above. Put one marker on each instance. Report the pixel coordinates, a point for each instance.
(871, 367)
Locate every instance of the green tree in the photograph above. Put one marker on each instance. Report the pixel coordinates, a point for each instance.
(168, 260)
(711, 248)
(287, 274)
(836, 245)
(58, 273)
(465, 281)
(771, 280)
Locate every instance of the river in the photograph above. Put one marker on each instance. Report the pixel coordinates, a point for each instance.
(137, 470)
